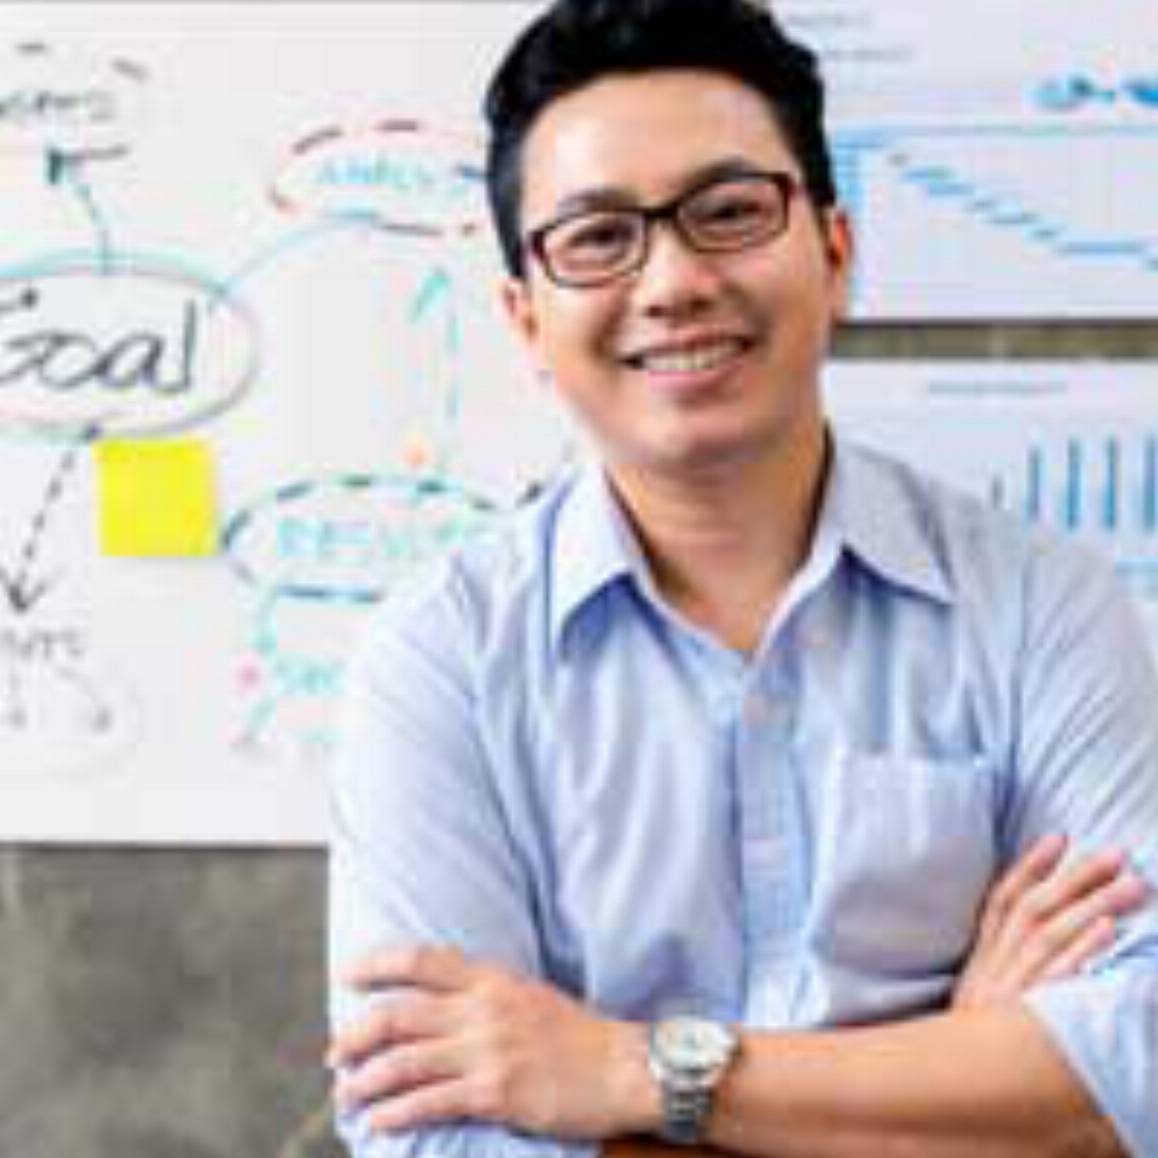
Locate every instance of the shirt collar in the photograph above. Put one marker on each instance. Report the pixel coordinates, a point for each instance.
(871, 507)
(876, 509)
(594, 547)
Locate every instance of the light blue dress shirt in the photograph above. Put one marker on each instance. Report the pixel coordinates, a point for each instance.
(545, 765)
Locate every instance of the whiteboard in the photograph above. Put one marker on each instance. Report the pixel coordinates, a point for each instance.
(261, 226)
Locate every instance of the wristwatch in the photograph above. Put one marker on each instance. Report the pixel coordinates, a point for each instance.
(688, 1057)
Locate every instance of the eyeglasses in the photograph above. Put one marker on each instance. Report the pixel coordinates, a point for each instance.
(724, 214)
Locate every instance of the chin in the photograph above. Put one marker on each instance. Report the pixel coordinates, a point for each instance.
(700, 458)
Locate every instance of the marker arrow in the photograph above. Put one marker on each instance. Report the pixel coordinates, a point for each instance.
(21, 593)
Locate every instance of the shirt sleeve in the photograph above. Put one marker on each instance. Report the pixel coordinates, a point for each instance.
(418, 851)
(1087, 765)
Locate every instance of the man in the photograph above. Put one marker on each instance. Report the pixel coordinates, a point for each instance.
(668, 811)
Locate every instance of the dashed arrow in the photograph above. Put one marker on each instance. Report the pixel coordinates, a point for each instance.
(21, 593)
(21, 590)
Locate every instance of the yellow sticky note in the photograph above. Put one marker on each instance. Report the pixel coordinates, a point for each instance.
(156, 497)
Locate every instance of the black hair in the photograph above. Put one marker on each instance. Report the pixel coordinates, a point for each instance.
(576, 42)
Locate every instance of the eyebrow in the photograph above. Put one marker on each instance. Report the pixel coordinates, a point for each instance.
(618, 197)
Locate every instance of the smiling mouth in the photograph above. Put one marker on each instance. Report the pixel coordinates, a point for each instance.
(692, 360)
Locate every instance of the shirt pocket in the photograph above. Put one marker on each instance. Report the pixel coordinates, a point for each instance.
(905, 848)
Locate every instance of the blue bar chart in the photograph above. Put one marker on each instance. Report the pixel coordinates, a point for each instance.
(1013, 183)
(1071, 447)
(959, 221)
(1104, 485)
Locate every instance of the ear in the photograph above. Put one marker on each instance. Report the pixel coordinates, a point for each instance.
(522, 314)
(515, 296)
(840, 248)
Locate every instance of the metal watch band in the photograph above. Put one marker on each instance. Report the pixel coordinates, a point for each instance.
(685, 1114)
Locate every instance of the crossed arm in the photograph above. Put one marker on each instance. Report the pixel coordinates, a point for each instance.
(451, 1040)
(462, 1039)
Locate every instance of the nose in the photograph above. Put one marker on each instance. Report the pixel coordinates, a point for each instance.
(674, 280)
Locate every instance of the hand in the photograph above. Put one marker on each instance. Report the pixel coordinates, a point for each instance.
(458, 1039)
(1041, 922)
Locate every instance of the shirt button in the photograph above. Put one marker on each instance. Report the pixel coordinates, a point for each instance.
(815, 638)
(758, 710)
(725, 708)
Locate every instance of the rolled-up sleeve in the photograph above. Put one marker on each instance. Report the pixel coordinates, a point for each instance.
(419, 852)
(1106, 1025)
(1088, 765)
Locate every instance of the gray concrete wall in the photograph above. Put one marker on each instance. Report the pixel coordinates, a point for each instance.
(168, 1004)
(161, 1004)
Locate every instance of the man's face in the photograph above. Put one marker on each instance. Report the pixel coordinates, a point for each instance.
(696, 361)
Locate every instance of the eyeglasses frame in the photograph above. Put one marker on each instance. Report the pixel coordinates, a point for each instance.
(788, 185)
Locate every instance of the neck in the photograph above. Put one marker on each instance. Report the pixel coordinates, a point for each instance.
(723, 546)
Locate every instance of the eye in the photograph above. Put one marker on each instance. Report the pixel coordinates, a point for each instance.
(730, 210)
(593, 239)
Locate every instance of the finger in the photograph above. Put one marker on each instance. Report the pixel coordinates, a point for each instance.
(437, 967)
(1081, 880)
(1041, 903)
(398, 1071)
(400, 1018)
(1055, 937)
(1043, 920)
(1093, 940)
(1030, 869)
(425, 1106)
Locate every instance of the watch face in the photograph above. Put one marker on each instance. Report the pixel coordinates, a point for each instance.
(692, 1043)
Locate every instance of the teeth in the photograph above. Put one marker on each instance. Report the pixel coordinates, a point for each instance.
(690, 361)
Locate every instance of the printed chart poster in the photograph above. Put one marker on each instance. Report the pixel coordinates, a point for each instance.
(999, 157)
(1070, 446)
